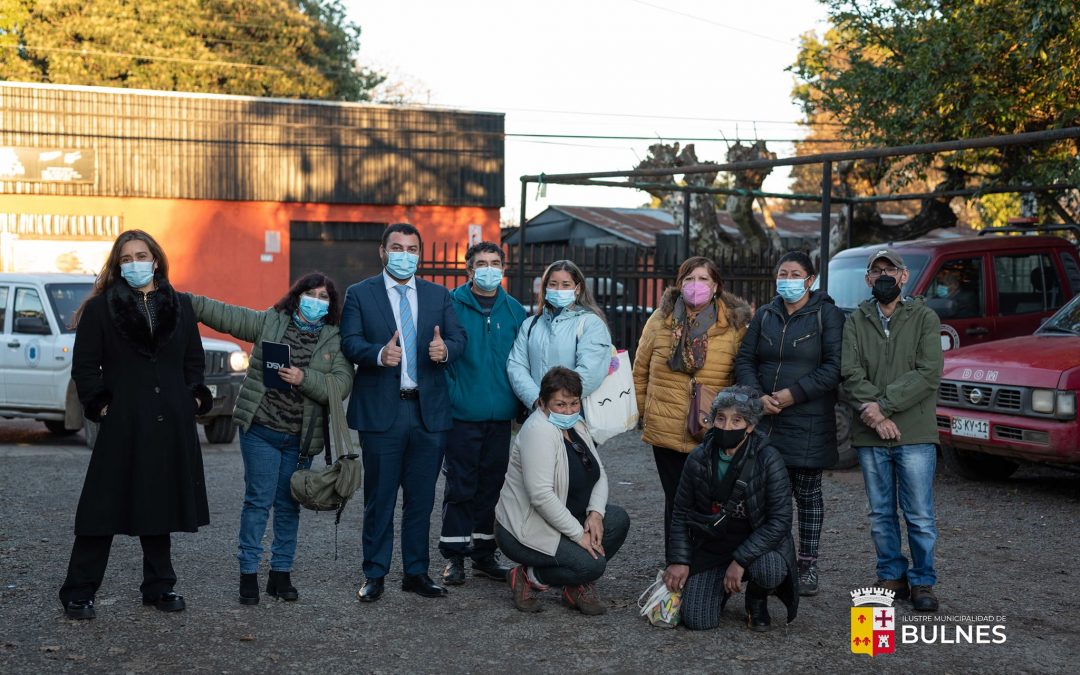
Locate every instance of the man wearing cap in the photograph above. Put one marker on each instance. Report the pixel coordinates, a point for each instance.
(891, 366)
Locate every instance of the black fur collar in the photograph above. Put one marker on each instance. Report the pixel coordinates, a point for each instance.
(131, 323)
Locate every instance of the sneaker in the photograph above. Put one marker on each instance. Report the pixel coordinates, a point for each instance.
(923, 599)
(808, 579)
(899, 586)
(584, 599)
(491, 566)
(522, 591)
(454, 574)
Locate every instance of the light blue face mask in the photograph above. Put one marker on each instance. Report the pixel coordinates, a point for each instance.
(487, 278)
(137, 273)
(790, 289)
(941, 290)
(563, 422)
(401, 264)
(560, 298)
(313, 309)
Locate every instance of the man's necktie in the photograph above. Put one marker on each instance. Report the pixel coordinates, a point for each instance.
(408, 331)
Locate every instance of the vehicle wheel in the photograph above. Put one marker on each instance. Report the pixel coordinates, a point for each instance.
(57, 427)
(848, 457)
(220, 430)
(977, 465)
(90, 430)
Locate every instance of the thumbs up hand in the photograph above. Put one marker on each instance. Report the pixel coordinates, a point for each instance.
(391, 354)
(437, 348)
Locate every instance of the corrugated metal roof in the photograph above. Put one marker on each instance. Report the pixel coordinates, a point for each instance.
(639, 226)
(198, 146)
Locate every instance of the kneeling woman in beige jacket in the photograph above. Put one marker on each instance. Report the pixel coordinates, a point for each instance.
(553, 517)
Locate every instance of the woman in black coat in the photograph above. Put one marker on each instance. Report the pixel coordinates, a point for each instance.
(792, 351)
(732, 520)
(138, 365)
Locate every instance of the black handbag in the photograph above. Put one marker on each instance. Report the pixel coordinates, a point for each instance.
(714, 525)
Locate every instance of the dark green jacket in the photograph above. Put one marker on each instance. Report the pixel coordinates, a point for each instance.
(479, 387)
(254, 326)
(901, 372)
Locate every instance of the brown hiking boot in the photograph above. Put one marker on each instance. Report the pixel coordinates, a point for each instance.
(899, 586)
(923, 599)
(584, 599)
(522, 590)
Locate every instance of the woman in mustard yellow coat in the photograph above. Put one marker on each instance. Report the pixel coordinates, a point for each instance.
(694, 334)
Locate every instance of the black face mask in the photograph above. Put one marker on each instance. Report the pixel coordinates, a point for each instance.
(725, 439)
(886, 289)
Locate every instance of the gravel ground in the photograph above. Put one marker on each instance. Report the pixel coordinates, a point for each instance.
(1004, 550)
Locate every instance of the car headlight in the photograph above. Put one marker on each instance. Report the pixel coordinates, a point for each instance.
(1042, 400)
(238, 361)
(1066, 404)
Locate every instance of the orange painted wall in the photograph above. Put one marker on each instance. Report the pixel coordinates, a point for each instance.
(214, 246)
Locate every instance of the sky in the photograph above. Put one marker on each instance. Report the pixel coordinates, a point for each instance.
(660, 69)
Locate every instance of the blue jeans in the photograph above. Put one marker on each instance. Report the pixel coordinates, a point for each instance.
(270, 458)
(905, 472)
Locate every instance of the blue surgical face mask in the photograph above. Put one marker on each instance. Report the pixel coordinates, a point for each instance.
(401, 264)
(137, 273)
(562, 421)
(791, 289)
(313, 309)
(487, 278)
(942, 291)
(560, 298)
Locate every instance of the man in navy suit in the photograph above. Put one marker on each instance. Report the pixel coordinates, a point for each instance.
(400, 332)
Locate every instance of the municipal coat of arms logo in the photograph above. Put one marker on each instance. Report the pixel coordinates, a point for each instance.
(873, 621)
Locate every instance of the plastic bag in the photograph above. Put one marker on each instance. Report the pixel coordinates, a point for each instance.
(659, 605)
(612, 408)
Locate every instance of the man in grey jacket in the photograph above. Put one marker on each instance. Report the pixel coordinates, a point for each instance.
(891, 365)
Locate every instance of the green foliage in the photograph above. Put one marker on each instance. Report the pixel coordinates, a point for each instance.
(915, 71)
(285, 48)
(995, 210)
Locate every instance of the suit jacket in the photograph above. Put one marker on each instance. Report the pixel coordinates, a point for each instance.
(367, 324)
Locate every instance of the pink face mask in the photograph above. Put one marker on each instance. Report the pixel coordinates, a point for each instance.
(696, 293)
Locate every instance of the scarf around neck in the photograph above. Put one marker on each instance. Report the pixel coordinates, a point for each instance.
(306, 326)
(690, 337)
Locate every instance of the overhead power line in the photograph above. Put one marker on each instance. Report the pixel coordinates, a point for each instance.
(660, 137)
(588, 113)
(714, 23)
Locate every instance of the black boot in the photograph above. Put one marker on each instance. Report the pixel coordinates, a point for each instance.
(249, 589)
(280, 586)
(454, 574)
(757, 608)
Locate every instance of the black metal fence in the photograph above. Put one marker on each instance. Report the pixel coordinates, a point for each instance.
(628, 282)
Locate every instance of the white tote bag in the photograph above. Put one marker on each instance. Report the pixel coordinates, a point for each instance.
(612, 408)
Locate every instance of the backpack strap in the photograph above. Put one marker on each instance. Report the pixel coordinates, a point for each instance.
(528, 333)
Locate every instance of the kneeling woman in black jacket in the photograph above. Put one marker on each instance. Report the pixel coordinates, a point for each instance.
(732, 520)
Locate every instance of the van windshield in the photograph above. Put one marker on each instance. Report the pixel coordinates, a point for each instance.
(66, 300)
(847, 278)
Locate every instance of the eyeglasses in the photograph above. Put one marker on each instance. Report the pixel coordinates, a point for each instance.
(875, 272)
(583, 453)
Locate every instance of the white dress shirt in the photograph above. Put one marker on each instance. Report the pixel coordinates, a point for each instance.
(395, 298)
